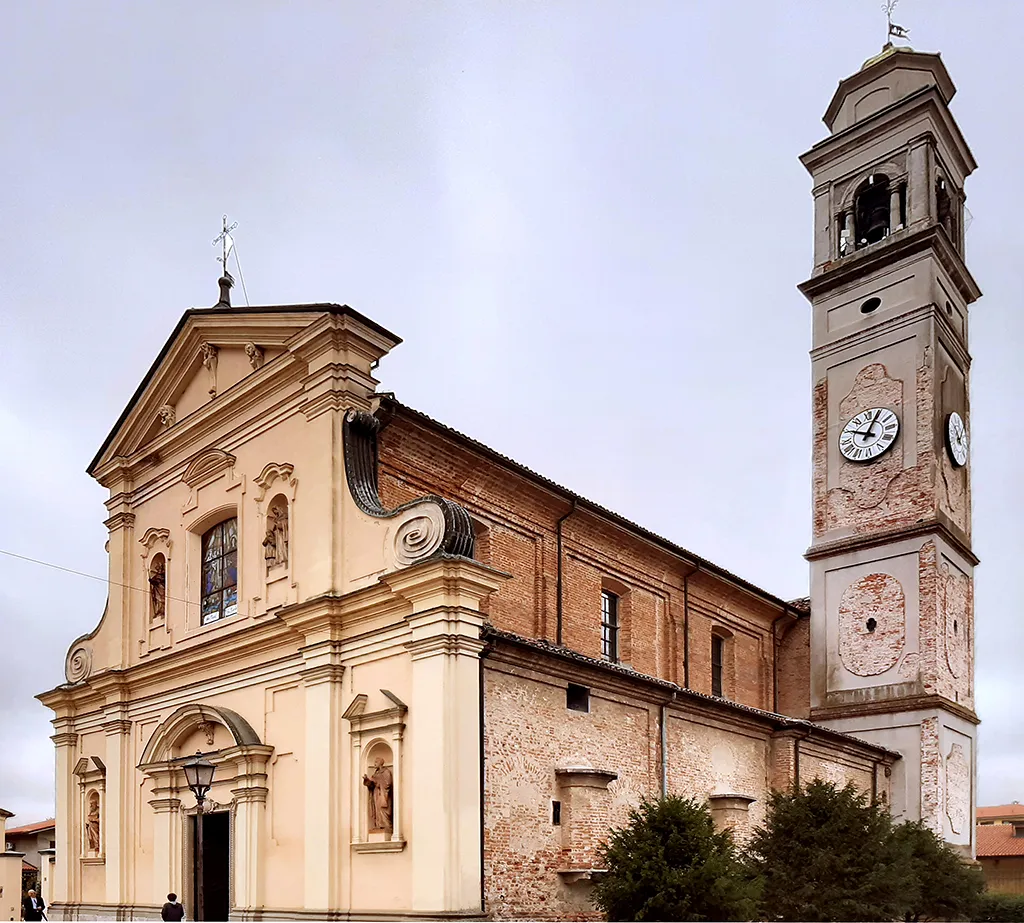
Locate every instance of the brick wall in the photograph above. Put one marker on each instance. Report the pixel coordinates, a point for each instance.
(530, 734)
(516, 522)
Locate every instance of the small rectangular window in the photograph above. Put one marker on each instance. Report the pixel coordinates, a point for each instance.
(609, 626)
(577, 697)
(556, 813)
(717, 651)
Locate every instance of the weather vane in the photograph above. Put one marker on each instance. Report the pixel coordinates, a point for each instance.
(895, 31)
(226, 242)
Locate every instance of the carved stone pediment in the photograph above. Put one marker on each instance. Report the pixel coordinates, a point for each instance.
(205, 466)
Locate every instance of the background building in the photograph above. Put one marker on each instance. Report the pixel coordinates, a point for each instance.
(430, 679)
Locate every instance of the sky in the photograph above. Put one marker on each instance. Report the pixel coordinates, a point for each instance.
(586, 219)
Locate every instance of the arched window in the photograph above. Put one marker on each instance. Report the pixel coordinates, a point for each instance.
(220, 572)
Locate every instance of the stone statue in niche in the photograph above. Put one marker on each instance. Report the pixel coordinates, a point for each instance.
(275, 542)
(158, 587)
(255, 355)
(209, 354)
(381, 796)
(92, 822)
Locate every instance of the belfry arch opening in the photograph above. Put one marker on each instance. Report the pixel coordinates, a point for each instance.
(871, 210)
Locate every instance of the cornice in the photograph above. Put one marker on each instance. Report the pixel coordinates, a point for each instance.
(918, 238)
(120, 521)
(940, 525)
(923, 702)
(927, 100)
(322, 673)
(65, 739)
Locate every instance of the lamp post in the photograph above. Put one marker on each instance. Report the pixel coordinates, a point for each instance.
(199, 776)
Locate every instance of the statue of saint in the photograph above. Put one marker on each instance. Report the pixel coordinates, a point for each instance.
(275, 543)
(92, 822)
(158, 586)
(380, 785)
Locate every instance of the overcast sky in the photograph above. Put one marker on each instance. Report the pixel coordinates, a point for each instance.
(587, 220)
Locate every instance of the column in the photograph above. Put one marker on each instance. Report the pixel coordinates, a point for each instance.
(894, 207)
(65, 885)
(919, 181)
(323, 757)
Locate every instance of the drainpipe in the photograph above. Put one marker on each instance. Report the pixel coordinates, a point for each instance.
(483, 783)
(686, 626)
(796, 759)
(558, 582)
(664, 745)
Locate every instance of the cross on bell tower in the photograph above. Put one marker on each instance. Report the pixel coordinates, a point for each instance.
(892, 586)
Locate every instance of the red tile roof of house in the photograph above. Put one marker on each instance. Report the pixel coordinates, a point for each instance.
(998, 840)
(1001, 810)
(32, 828)
(28, 866)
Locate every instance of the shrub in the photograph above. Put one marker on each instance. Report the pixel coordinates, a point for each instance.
(669, 863)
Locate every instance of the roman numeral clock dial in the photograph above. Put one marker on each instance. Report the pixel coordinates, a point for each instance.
(956, 439)
(869, 434)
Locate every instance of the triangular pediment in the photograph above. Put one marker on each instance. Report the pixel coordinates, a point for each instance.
(211, 354)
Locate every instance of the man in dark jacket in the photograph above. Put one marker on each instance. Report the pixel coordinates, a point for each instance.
(33, 906)
(172, 910)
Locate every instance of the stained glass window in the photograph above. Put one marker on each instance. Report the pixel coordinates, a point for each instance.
(220, 572)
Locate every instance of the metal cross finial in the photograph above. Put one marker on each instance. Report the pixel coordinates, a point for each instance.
(224, 239)
(894, 31)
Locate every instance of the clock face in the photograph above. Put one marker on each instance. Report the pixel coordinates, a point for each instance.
(869, 434)
(956, 439)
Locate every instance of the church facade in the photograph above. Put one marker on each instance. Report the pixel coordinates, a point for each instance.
(431, 680)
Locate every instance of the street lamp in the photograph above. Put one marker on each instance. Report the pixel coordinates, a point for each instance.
(199, 776)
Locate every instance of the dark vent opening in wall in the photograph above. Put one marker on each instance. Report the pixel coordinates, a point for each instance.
(872, 304)
(871, 625)
(556, 813)
(577, 698)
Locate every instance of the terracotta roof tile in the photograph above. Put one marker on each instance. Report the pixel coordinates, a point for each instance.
(1001, 810)
(32, 828)
(998, 840)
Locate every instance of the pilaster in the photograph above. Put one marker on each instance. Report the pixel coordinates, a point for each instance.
(65, 883)
(117, 819)
(444, 746)
(322, 678)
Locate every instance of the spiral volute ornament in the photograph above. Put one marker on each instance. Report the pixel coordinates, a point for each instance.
(79, 664)
(418, 534)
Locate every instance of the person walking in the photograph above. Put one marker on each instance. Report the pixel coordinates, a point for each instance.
(33, 907)
(172, 910)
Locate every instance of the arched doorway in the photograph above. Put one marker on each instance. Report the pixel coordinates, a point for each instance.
(233, 814)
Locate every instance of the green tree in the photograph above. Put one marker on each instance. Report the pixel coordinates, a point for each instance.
(999, 908)
(669, 863)
(945, 887)
(826, 853)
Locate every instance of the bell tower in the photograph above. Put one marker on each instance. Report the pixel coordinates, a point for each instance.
(892, 587)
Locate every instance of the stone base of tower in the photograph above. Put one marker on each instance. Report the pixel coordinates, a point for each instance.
(935, 780)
